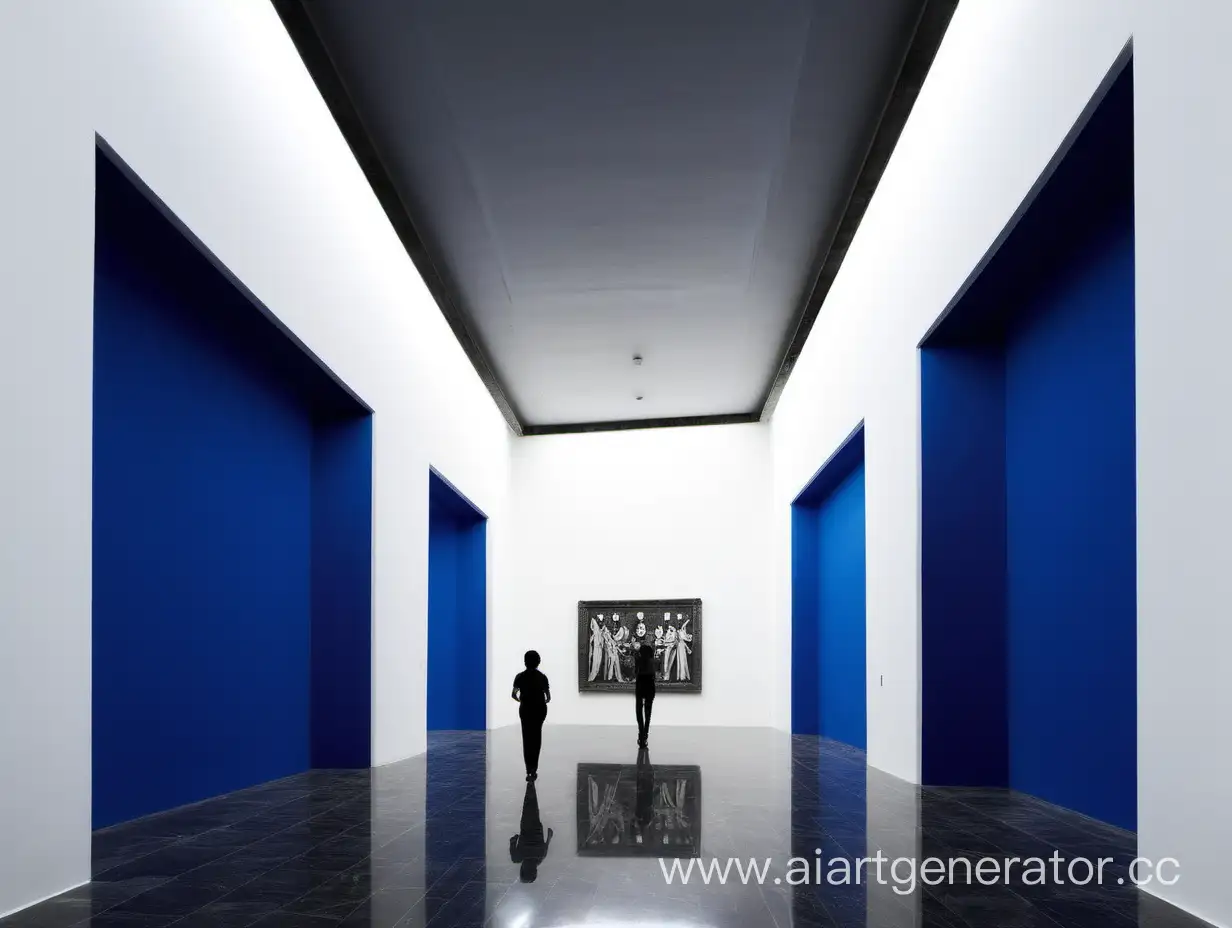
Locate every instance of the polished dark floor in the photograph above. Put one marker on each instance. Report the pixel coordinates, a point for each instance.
(428, 842)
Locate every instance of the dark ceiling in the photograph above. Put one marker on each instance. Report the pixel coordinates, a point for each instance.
(583, 182)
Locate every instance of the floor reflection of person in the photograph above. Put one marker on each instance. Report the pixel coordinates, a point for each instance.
(645, 796)
(530, 846)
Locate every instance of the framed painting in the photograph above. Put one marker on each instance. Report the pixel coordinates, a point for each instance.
(610, 632)
(642, 810)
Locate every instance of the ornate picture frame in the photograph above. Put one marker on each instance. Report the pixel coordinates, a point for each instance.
(608, 637)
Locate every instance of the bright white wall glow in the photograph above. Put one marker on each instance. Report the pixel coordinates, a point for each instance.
(210, 104)
(1006, 88)
(651, 514)
(208, 101)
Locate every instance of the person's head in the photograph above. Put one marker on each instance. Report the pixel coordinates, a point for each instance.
(532, 660)
(528, 872)
(646, 651)
(641, 629)
(640, 616)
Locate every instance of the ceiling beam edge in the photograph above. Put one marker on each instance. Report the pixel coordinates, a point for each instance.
(321, 69)
(621, 425)
(926, 40)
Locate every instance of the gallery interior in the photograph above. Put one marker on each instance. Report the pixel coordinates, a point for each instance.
(850, 374)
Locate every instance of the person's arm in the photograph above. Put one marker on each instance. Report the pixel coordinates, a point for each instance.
(547, 691)
(516, 693)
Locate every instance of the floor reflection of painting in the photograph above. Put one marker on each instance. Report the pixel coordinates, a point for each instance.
(610, 633)
(639, 810)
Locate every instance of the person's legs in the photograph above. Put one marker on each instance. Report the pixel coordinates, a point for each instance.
(641, 705)
(528, 739)
(534, 743)
(649, 705)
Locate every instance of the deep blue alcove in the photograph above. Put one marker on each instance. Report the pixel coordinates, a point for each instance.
(828, 615)
(231, 530)
(1028, 496)
(457, 610)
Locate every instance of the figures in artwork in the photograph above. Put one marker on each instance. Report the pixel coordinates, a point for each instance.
(596, 647)
(669, 648)
(615, 640)
(683, 650)
(610, 641)
(639, 632)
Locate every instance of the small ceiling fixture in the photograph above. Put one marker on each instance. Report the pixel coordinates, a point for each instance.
(637, 362)
(639, 397)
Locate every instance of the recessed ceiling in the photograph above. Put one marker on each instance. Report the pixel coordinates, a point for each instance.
(582, 182)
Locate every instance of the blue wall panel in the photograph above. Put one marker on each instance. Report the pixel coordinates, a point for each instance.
(842, 663)
(829, 665)
(963, 568)
(342, 593)
(205, 424)
(1071, 608)
(457, 611)
(1029, 574)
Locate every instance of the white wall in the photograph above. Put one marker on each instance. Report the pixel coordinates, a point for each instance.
(46, 286)
(209, 103)
(653, 514)
(1184, 327)
(984, 127)
(1010, 80)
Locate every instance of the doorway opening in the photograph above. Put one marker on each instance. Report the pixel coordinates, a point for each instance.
(828, 601)
(232, 529)
(457, 610)
(1028, 519)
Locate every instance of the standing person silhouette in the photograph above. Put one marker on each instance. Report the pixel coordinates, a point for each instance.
(530, 690)
(530, 846)
(644, 691)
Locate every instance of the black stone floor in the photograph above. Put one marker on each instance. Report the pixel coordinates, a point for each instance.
(429, 841)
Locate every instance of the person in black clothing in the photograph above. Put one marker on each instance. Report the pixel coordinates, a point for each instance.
(644, 691)
(530, 847)
(530, 689)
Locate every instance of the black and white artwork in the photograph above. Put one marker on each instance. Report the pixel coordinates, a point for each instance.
(610, 633)
(642, 810)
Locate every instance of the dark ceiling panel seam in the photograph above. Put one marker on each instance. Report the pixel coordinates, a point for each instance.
(625, 424)
(917, 60)
(321, 68)
(926, 39)
(781, 161)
